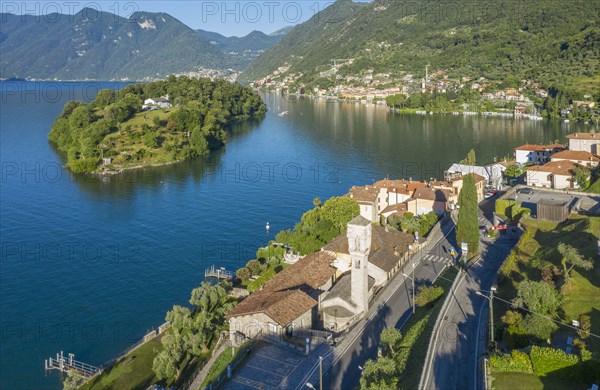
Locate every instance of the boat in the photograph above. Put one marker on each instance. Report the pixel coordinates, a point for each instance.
(283, 113)
(567, 121)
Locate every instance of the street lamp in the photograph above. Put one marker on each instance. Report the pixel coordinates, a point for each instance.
(320, 372)
(490, 298)
(413, 285)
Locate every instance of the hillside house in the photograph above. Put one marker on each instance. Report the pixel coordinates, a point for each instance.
(555, 174)
(586, 142)
(536, 154)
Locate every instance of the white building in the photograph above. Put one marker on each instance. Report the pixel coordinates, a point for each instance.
(536, 154)
(586, 142)
(557, 174)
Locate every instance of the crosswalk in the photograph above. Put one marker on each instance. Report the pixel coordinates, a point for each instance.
(436, 258)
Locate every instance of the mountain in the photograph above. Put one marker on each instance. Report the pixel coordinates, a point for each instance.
(304, 41)
(282, 31)
(240, 51)
(102, 46)
(557, 42)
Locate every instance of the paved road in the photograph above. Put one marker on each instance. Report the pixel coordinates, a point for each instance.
(345, 372)
(463, 331)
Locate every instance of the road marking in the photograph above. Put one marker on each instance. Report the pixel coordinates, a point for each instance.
(477, 347)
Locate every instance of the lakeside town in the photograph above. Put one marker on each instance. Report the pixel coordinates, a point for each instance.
(307, 310)
(465, 95)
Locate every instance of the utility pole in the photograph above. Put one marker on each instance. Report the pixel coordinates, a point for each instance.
(413, 286)
(491, 299)
(320, 372)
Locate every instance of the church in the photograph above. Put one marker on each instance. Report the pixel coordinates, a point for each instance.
(330, 289)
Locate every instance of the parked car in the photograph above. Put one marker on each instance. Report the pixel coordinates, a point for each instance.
(527, 191)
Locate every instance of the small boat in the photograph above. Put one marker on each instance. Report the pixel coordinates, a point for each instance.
(283, 113)
(267, 227)
(567, 121)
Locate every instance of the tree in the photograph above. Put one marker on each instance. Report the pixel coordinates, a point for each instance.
(391, 337)
(585, 325)
(254, 267)
(380, 374)
(513, 170)
(570, 255)
(538, 297)
(540, 327)
(470, 159)
(467, 229)
(180, 317)
(340, 210)
(166, 364)
(582, 176)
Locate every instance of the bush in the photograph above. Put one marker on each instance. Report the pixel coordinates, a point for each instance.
(428, 295)
(254, 267)
(547, 360)
(503, 204)
(243, 274)
(516, 361)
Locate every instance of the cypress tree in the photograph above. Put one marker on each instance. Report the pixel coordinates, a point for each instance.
(467, 229)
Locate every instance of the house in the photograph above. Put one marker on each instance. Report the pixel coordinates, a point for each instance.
(536, 154)
(366, 196)
(492, 173)
(586, 142)
(287, 302)
(584, 103)
(555, 174)
(426, 200)
(156, 103)
(580, 157)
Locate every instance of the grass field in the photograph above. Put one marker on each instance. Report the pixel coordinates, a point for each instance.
(594, 187)
(132, 372)
(522, 381)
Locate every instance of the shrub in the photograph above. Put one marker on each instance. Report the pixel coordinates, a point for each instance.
(504, 204)
(83, 165)
(243, 274)
(428, 295)
(585, 355)
(547, 360)
(254, 267)
(516, 361)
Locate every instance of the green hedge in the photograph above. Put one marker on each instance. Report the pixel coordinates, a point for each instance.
(514, 362)
(503, 204)
(547, 360)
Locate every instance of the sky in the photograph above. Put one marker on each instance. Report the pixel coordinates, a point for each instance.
(225, 17)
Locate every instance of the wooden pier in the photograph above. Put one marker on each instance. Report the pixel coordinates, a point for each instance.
(219, 273)
(66, 364)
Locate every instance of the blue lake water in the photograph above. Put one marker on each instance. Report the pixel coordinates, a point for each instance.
(90, 264)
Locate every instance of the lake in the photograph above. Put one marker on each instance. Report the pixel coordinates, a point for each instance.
(90, 264)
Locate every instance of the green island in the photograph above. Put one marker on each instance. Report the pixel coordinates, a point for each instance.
(152, 123)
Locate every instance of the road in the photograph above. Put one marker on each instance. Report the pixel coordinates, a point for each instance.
(462, 334)
(345, 372)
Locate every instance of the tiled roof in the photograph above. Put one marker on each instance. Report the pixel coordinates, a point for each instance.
(593, 136)
(282, 307)
(285, 297)
(432, 194)
(401, 186)
(579, 155)
(540, 148)
(311, 271)
(390, 241)
(399, 208)
(363, 193)
(564, 168)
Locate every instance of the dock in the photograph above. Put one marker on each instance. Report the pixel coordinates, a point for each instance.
(66, 364)
(219, 273)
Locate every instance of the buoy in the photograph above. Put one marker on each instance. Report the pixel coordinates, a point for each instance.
(267, 227)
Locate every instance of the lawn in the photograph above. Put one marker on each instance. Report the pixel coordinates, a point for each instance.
(522, 381)
(133, 372)
(594, 187)
(537, 249)
(412, 373)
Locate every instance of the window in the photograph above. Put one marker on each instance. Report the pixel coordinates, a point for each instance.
(272, 328)
(357, 264)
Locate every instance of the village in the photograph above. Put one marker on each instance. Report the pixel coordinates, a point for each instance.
(523, 99)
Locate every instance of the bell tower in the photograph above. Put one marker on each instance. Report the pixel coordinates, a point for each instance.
(359, 245)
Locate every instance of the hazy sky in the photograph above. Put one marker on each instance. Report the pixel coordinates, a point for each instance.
(225, 17)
